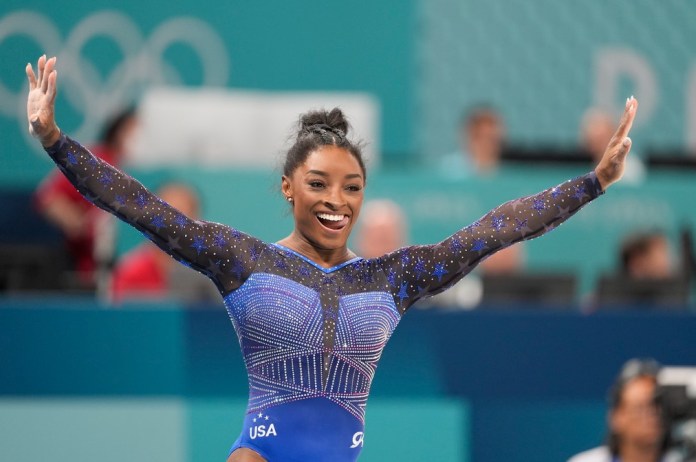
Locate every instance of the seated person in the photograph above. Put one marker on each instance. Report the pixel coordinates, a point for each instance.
(481, 141)
(647, 277)
(383, 228)
(647, 256)
(63, 206)
(148, 273)
(635, 431)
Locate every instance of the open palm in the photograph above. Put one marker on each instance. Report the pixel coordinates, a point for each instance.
(613, 163)
(41, 101)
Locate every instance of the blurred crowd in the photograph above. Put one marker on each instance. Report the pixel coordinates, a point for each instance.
(648, 271)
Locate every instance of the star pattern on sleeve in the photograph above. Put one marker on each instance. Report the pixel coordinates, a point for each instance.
(439, 271)
(498, 222)
(441, 265)
(199, 244)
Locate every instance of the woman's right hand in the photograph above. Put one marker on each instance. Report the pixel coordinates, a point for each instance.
(41, 102)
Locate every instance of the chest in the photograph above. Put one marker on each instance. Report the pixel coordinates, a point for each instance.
(273, 310)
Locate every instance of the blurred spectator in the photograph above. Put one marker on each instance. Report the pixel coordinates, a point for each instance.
(635, 431)
(60, 203)
(647, 277)
(508, 261)
(383, 228)
(481, 140)
(647, 256)
(469, 292)
(596, 129)
(148, 273)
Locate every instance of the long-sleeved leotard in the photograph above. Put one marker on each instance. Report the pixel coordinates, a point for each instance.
(311, 336)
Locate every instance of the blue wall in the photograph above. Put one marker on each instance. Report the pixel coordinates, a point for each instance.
(486, 385)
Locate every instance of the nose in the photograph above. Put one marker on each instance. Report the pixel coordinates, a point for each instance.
(334, 199)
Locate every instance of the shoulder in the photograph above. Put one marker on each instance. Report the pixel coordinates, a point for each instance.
(599, 454)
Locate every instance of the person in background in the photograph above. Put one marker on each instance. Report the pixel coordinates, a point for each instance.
(635, 432)
(61, 204)
(647, 256)
(596, 129)
(481, 141)
(311, 316)
(383, 229)
(148, 273)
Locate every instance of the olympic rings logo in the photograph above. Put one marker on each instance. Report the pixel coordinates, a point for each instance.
(142, 65)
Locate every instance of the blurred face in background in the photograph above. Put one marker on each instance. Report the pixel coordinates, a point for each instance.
(382, 229)
(182, 198)
(483, 138)
(597, 129)
(636, 420)
(654, 262)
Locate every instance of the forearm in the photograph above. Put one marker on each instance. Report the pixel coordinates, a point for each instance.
(216, 250)
(426, 270)
(116, 192)
(532, 216)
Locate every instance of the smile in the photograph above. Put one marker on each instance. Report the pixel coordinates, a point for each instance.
(334, 222)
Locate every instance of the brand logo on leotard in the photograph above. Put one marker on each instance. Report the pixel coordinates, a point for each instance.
(263, 428)
(357, 440)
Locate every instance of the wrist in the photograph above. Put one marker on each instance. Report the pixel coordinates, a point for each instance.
(52, 137)
(603, 179)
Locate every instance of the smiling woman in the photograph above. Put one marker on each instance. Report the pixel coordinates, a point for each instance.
(312, 318)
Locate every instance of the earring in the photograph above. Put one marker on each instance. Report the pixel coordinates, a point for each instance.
(289, 199)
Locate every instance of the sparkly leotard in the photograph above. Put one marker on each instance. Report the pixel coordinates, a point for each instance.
(311, 336)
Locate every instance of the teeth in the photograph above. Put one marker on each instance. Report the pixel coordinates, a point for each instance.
(326, 216)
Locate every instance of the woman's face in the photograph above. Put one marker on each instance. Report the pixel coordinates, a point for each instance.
(327, 193)
(636, 419)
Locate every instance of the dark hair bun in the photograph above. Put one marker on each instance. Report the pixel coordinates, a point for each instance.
(334, 119)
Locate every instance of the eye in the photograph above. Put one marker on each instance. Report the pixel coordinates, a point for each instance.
(354, 188)
(316, 184)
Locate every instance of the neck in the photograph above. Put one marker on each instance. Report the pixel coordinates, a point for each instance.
(639, 453)
(326, 258)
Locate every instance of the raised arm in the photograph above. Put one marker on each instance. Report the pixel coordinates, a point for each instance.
(222, 253)
(420, 271)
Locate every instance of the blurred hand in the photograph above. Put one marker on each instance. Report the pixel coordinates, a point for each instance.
(41, 101)
(611, 167)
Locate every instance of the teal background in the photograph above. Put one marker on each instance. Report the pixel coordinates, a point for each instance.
(158, 382)
(82, 382)
(272, 45)
(437, 207)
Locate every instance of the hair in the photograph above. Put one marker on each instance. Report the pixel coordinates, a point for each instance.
(321, 128)
(638, 245)
(633, 369)
(478, 113)
(115, 124)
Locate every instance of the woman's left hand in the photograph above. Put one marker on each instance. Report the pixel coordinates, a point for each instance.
(611, 168)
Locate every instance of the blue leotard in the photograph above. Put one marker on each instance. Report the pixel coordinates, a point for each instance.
(311, 337)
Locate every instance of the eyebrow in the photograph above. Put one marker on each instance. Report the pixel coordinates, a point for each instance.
(324, 174)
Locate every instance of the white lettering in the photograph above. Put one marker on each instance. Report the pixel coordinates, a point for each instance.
(690, 117)
(357, 440)
(260, 431)
(613, 64)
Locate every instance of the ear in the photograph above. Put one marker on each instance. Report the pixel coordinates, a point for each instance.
(615, 420)
(286, 186)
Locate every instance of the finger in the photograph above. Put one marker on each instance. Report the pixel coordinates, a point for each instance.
(627, 119)
(40, 68)
(624, 149)
(47, 71)
(52, 85)
(31, 77)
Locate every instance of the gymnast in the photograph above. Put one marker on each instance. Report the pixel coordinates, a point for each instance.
(312, 317)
